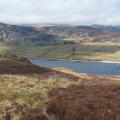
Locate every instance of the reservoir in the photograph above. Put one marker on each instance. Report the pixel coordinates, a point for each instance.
(90, 67)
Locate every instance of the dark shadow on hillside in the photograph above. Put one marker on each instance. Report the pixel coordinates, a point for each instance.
(24, 67)
(18, 67)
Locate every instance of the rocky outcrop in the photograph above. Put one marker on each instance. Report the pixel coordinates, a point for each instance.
(13, 34)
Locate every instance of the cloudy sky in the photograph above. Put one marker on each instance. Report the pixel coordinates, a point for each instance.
(60, 11)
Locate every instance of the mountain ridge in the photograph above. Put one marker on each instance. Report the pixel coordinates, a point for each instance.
(57, 34)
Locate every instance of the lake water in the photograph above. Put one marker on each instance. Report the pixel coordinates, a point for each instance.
(91, 67)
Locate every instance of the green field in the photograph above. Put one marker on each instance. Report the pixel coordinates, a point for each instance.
(97, 51)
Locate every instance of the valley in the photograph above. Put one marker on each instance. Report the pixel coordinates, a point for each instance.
(62, 42)
(60, 60)
(31, 92)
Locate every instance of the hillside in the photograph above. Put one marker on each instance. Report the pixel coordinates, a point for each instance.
(84, 34)
(29, 92)
(57, 34)
(25, 86)
(25, 35)
(98, 51)
(94, 42)
(85, 103)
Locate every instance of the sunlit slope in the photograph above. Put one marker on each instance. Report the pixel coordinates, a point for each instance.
(106, 52)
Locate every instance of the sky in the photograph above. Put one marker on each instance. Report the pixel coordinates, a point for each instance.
(82, 12)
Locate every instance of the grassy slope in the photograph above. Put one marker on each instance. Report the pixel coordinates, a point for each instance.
(25, 85)
(94, 51)
(27, 90)
(20, 89)
(30, 91)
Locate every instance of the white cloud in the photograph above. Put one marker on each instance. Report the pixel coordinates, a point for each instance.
(60, 11)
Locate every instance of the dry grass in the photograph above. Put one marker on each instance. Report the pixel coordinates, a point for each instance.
(27, 90)
(24, 93)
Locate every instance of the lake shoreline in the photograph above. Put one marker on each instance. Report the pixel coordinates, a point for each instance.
(102, 68)
(57, 59)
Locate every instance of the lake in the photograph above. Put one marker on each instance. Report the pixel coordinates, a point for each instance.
(90, 67)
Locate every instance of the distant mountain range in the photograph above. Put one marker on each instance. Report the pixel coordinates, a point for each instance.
(57, 34)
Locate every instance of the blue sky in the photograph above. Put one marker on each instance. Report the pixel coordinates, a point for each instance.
(84, 12)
